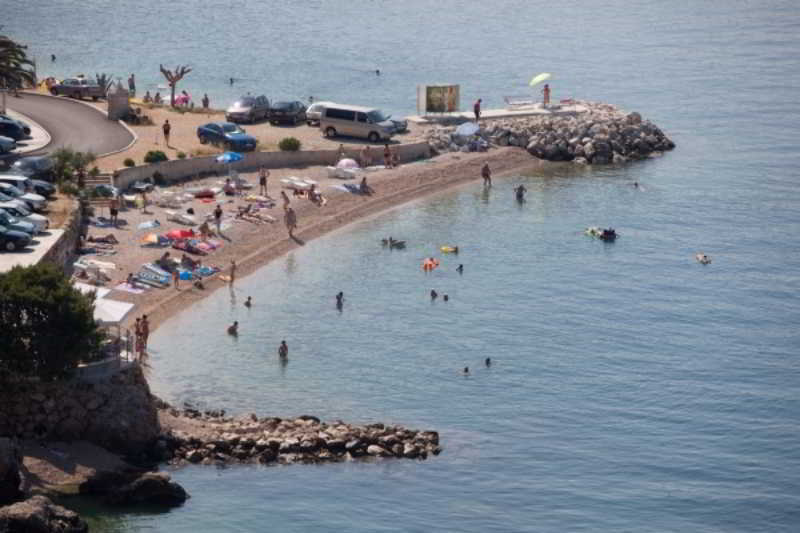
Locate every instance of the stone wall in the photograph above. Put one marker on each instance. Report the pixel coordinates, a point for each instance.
(118, 414)
(183, 168)
(62, 253)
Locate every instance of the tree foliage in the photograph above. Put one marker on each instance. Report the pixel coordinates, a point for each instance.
(66, 162)
(47, 327)
(15, 67)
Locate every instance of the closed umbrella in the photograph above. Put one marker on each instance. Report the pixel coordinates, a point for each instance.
(539, 78)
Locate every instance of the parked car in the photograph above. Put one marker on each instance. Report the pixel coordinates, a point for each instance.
(314, 112)
(109, 191)
(226, 134)
(78, 88)
(293, 112)
(11, 240)
(25, 128)
(38, 167)
(7, 144)
(20, 211)
(12, 129)
(356, 121)
(26, 184)
(248, 109)
(16, 224)
(6, 199)
(34, 200)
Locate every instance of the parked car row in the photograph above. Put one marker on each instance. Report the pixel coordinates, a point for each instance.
(11, 131)
(250, 109)
(22, 199)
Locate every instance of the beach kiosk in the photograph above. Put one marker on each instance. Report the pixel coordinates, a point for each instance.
(118, 99)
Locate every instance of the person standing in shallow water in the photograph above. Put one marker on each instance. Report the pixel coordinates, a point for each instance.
(486, 173)
(477, 109)
(546, 95)
(339, 300)
(283, 351)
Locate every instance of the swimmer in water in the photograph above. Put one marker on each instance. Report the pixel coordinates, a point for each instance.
(434, 294)
(460, 269)
(446, 298)
(283, 351)
(520, 192)
(231, 81)
(635, 184)
(339, 300)
(465, 371)
(488, 362)
(233, 329)
(377, 72)
(248, 302)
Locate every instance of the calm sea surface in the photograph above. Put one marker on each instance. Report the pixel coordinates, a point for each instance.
(632, 388)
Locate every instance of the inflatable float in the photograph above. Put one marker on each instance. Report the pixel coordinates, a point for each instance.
(449, 249)
(429, 264)
(703, 259)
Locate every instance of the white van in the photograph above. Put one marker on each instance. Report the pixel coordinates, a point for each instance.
(23, 183)
(355, 121)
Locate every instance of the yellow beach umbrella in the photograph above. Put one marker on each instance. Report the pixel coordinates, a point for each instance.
(539, 78)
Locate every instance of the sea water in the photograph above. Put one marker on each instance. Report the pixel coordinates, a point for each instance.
(632, 389)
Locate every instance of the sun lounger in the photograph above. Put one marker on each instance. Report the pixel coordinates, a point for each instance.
(341, 173)
(180, 218)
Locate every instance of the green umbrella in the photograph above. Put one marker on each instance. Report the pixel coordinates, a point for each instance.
(539, 78)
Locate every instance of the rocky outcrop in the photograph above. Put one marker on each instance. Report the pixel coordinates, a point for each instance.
(10, 478)
(217, 439)
(118, 414)
(154, 488)
(601, 135)
(40, 515)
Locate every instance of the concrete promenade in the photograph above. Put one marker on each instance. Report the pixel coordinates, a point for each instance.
(555, 110)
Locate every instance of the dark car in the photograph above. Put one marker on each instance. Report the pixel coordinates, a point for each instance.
(248, 109)
(38, 167)
(12, 129)
(11, 240)
(293, 112)
(23, 125)
(78, 88)
(228, 135)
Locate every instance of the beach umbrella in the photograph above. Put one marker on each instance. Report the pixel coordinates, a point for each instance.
(539, 78)
(467, 129)
(347, 163)
(229, 157)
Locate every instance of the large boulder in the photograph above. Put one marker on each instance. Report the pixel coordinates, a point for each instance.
(153, 487)
(9, 471)
(39, 515)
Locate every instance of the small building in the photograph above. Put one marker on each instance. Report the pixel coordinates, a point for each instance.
(118, 99)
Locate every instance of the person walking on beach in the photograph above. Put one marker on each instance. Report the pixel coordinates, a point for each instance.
(290, 218)
(283, 351)
(166, 128)
(477, 109)
(137, 332)
(286, 200)
(546, 95)
(113, 209)
(263, 174)
(486, 173)
(145, 332)
(387, 156)
(132, 85)
(218, 218)
(144, 201)
(366, 157)
(206, 102)
(233, 271)
(176, 277)
(341, 154)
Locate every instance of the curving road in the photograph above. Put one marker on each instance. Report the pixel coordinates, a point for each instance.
(72, 124)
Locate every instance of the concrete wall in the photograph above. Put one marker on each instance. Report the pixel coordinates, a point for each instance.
(183, 168)
(62, 253)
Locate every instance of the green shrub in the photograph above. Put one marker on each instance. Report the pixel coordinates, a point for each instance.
(69, 189)
(289, 144)
(181, 155)
(155, 156)
(48, 325)
(129, 162)
(158, 179)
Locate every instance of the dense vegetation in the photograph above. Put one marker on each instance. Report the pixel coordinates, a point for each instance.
(46, 325)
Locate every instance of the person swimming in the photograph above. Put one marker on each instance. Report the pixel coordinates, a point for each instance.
(460, 269)
(248, 302)
(488, 362)
(520, 192)
(465, 371)
(434, 294)
(233, 329)
(283, 351)
(446, 298)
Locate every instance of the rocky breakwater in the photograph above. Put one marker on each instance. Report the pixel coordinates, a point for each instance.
(211, 438)
(600, 135)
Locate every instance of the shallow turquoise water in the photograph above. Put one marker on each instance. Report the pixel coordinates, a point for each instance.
(632, 388)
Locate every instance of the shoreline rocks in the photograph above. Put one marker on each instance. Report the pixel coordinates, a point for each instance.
(212, 438)
(601, 135)
(40, 515)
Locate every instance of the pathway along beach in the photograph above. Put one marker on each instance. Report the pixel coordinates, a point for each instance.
(253, 246)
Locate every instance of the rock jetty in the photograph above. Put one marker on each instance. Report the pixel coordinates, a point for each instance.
(600, 135)
(212, 438)
(40, 515)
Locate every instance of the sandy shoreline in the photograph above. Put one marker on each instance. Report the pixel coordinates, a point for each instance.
(253, 246)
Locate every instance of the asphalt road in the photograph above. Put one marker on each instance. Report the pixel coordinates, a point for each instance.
(72, 124)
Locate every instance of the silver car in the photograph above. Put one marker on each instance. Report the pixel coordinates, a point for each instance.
(36, 201)
(18, 210)
(248, 109)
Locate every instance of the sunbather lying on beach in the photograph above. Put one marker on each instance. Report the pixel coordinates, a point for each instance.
(364, 188)
(108, 239)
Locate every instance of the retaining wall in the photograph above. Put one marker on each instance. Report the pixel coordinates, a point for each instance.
(62, 253)
(182, 168)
